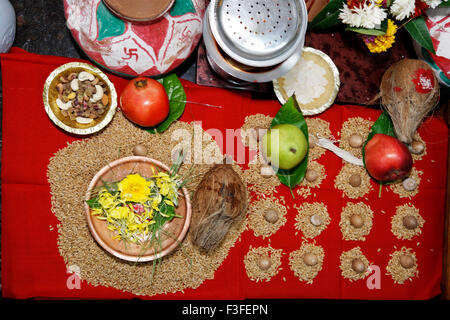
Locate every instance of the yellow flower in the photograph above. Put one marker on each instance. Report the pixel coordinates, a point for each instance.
(134, 188)
(106, 199)
(96, 212)
(384, 42)
(120, 213)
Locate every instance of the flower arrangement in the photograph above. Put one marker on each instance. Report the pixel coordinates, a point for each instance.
(136, 207)
(377, 21)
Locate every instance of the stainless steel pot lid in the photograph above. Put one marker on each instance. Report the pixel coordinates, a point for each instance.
(258, 33)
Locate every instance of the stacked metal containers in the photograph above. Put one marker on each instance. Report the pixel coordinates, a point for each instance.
(254, 40)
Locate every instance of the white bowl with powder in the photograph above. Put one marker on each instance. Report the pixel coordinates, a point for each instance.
(314, 81)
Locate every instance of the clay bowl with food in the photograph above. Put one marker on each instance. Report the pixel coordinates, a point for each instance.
(170, 234)
(79, 98)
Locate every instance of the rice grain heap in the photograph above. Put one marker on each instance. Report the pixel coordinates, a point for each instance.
(407, 222)
(353, 180)
(312, 219)
(266, 216)
(354, 265)
(403, 265)
(315, 174)
(356, 221)
(257, 179)
(307, 261)
(262, 263)
(253, 129)
(399, 187)
(69, 172)
(317, 128)
(358, 126)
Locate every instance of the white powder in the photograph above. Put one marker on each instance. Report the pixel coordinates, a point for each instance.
(306, 80)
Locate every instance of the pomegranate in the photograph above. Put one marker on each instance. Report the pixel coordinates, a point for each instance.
(144, 101)
(387, 158)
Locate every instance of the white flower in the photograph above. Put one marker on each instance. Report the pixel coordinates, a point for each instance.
(368, 16)
(402, 9)
(432, 3)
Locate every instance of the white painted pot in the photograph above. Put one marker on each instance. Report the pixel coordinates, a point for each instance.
(7, 25)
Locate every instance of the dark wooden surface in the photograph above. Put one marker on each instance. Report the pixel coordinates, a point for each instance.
(41, 29)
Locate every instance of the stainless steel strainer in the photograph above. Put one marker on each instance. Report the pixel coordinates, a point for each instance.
(258, 33)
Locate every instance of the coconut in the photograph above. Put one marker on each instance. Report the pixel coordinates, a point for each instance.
(409, 90)
(219, 200)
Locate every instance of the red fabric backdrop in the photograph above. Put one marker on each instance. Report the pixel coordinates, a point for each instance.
(32, 266)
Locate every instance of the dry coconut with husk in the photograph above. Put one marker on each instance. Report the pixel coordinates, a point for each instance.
(219, 201)
(409, 91)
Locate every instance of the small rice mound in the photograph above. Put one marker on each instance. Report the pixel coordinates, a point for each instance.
(320, 129)
(398, 273)
(254, 272)
(349, 232)
(320, 169)
(249, 129)
(347, 258)
(398, 188)
(256, 220)
(397, 227)
(302, 271)
(341, 182)
(351, 126)
(257, 183)
(303, 219)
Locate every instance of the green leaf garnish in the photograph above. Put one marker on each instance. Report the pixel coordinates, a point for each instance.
(371, 32)
(328, 17)
(177, 101)
(418, 30)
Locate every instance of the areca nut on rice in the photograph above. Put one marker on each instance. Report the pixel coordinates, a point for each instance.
(356, 221)
(402, 266)
(69, 172)
(418, 147)
(258, 180)
(317, 128)
(315, 174)
(253, 129)
(353, 180)
(354, 132)
(354, 265)
(307, 261)
(312, 219)
(409, 186)
(266, 216)
(407, 222)
(262, 263)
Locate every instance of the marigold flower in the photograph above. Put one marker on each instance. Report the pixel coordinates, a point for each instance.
(384, 42)
(134, 188)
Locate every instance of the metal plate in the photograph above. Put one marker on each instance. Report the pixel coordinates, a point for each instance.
(282, 96)
(49, 96)
(258, 33)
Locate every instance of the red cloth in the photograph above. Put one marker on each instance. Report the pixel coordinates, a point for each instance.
(33, 267)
